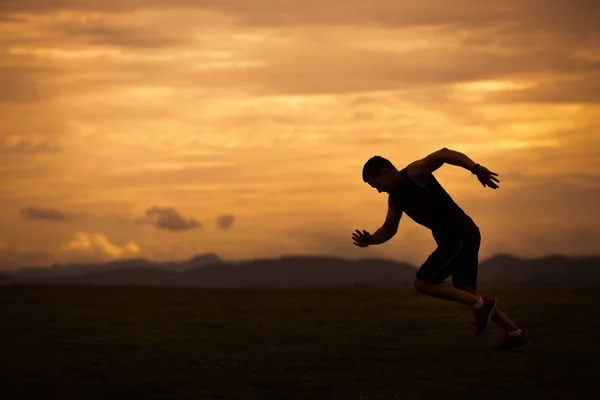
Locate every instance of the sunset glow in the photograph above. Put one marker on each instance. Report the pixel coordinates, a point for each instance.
(168, 129)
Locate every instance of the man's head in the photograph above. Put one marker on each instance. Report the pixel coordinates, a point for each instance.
(380, 174)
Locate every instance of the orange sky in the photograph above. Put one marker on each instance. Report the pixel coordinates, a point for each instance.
(166, 129)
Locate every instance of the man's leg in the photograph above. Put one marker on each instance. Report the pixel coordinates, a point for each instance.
(441, 264)
(465, 277)
(514, 338)
(499, 318)
(446, 292)
(483, 307)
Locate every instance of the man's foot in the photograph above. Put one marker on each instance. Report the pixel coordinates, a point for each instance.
(483, 314)
(512, 342)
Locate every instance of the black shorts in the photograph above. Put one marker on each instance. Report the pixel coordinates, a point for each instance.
(456, 256)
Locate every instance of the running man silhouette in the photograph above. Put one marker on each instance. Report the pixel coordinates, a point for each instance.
(415, 191)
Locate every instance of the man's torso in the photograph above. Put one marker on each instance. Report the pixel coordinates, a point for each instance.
(427, 203)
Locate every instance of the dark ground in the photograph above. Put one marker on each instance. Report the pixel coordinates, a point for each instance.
(359, 343)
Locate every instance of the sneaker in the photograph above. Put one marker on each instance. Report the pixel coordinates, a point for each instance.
(483, 315)
(512, 342)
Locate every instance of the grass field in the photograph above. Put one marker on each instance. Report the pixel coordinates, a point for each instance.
(359, 343)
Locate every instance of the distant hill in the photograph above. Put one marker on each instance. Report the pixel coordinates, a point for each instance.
(79, 269)
(305, 270)
(505, 268)
(6, 279)
(209, 270)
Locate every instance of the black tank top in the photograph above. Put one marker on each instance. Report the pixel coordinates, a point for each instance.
(432, 207)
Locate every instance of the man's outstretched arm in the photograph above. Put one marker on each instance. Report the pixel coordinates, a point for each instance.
(459, 159)
(484, 175)
(435, 160)
(446, 156)
(386, 232)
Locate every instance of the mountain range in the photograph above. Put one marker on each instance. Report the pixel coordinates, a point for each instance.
(209, 270)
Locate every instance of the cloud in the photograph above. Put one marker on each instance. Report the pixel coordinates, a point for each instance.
(94, 246)
(225, 221)
(512, 21)
(272, 107)
(336, 70)
(28, 146)
(167, 218)
(409, 46)
(48, 214)
(330, 65)
(23, 84)
(122, 33)
(311, 12)
(580, 90)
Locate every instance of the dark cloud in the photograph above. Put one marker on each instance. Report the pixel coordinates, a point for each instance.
(9, 18)
(167, 218)
(480, 42)
(310, 68)
(569, 17)
(28, 146)
(47, 214)
(102, 33)
(225, 221)
(312, 71)
(525, 24)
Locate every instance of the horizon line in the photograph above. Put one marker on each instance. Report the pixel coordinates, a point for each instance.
(284, 256)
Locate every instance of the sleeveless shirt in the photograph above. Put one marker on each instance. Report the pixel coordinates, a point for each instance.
(432, 207)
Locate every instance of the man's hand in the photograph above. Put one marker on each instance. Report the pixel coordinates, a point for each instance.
(487, 177)
(361, 239)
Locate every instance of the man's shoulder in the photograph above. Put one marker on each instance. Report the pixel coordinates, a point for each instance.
(414, 172)
(416, 168)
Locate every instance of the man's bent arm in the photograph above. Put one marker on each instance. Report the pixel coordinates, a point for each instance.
(459, 159)
(382, 235)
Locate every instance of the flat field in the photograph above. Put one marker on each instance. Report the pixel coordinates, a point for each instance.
(308, 343)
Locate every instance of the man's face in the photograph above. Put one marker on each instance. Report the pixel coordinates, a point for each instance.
(382, 182)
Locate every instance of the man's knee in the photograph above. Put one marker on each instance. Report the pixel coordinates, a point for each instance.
(420, 285)
(424, 278)
(466, 288)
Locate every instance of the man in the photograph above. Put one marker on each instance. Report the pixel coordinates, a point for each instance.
(415, 191)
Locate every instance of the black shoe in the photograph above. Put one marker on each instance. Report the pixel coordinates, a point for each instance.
(512, 342)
